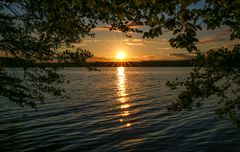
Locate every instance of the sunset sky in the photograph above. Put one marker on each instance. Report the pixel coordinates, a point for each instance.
(107, 44)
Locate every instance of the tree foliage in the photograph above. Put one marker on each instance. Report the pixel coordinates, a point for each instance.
(35, 30)
(215, 73)
(24, 35)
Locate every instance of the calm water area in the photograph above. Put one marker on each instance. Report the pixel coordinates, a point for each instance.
(117, 109)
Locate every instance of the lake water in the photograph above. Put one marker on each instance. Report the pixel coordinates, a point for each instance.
(117, 109)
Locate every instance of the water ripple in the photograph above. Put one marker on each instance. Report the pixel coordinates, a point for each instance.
(117, 109)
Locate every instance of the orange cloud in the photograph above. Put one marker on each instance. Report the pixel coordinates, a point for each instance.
(79, 44)
(134, 43)
(157, 41)
(224, 33)
(212, 40)
(132, 25)
(125, 40)
(136, 40)
(185, 56)
(104, 28)
(90, 41)
(165, 49)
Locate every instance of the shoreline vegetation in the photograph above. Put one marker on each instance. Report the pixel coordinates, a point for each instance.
(13, 62)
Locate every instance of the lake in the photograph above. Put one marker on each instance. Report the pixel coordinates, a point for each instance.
(117, 109)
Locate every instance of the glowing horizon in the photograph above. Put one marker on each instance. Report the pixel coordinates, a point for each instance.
(107, 44)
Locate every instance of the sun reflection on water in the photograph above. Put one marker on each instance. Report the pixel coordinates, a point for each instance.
(122, 97)
(125, 106)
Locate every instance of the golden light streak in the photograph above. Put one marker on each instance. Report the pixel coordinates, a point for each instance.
(122, 97)
(128, 125)
(125, 106)
(125, 113)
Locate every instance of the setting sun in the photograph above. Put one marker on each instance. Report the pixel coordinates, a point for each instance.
(121, 56)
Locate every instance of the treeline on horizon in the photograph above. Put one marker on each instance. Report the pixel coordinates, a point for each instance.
(13, 62)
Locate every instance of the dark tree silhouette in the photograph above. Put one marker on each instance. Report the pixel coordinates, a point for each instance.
(25, 35)
(35, 29)
(215, 73)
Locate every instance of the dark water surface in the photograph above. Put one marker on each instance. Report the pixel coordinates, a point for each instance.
(117, 109)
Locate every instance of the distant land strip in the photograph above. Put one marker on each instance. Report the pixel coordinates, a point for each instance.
(13, 62)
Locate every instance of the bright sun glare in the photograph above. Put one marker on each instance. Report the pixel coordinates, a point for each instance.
(121, 55)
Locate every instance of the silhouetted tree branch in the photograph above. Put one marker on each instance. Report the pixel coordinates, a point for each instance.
(215, 73)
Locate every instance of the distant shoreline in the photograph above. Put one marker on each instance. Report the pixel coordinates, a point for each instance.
(13, 62)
